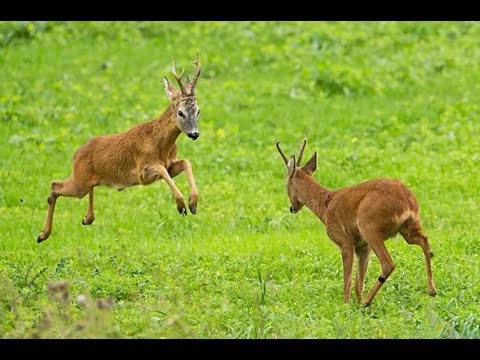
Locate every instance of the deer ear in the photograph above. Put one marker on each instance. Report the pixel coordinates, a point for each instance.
(169, 89)
(311, 165)
(291, 166)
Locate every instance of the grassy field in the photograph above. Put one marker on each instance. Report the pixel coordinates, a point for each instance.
(376, 99)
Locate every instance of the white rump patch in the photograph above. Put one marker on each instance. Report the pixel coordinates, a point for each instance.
(403, 216)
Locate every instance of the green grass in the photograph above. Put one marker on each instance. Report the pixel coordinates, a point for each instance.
(376, 99)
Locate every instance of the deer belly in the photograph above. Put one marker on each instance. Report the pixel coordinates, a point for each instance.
(121, 182)
(120, 187)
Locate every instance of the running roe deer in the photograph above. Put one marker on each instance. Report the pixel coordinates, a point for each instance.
(358, 219)
(145, 153)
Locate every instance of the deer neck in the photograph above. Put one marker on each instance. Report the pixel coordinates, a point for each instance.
(314, 196)
(166, 128)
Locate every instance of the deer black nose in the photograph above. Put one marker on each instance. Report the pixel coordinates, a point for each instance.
(291, 209)
(193, 135)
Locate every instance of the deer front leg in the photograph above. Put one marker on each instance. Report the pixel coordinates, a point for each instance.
(176, 167)
(363, 254)
(347, 259)
(346, 244)
(151, 173)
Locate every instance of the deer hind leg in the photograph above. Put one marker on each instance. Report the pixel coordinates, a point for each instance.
(60, 188)
(411, 231)
(387, 264)
(176, 168)
(375, 239)
(363, 255)
(88, 219)
(151, 173)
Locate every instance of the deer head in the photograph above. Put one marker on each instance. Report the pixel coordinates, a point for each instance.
(294, 175)
(184, 101)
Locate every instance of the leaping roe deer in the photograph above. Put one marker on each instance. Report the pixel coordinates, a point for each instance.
(145, 153)
(359, 219)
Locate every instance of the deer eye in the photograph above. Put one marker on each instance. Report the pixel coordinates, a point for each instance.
(180, 113)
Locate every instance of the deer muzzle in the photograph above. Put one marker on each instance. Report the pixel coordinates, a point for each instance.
(193, 135)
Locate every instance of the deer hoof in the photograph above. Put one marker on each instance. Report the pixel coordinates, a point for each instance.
(193, 209)
(86, 221)
(366, 304)
(182, 211)
(41, 237)
(432, 292)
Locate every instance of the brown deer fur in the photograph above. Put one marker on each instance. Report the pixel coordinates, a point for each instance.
(145, 153)
(359, 219)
